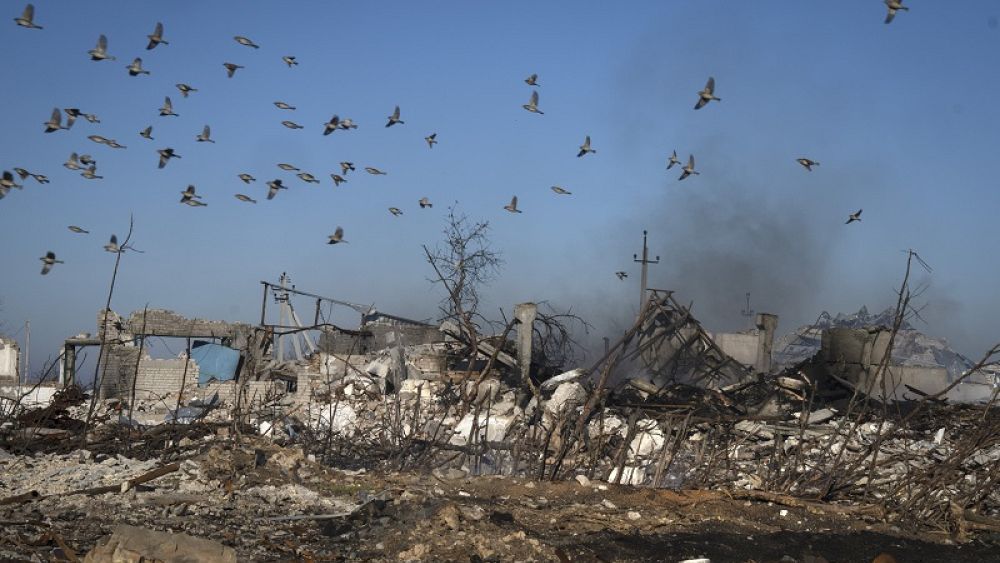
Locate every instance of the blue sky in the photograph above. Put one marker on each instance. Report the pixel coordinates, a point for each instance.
(899, 116)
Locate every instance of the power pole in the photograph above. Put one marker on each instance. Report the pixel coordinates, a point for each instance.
(645, 266)
(748, 312)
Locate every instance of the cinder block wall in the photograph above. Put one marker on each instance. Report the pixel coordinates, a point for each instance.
(156, 378)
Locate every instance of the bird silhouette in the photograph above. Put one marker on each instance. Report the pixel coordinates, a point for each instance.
(189, 197)
(168, 108)
(27, 18)
(91, 173)
(245, 198)
(185, 89)
(165, 156)
(92, 118)
(135, 69)
(147, 133)
(244, 41)
(112, 245)
(78, 230)
(338, 179)
(307, 177)
(231, 68)
(561, 191)
(621, 275)
(807, 163)
(707, 94)
(395, 211)
(532, 80)
(346, 166)
(672, 160)
(337, 237)
(290, 60)
(374, 171)
(21, 173)
(532, 104)
(273, 186)
(331, 126)
(854, 217)
(156, 37)
(512, 206)
(205, 137)
(287, 167)
(283, 105)
(424, 203)
(688, 168)
(87, 160)
(100, 52)
(347, 123)
(7, 181)
(115, 144)
(48, 261)
(292, 125)
(247, 178)
(73, 163)
(71, 115)
(55, 122)
(585, 148)
(431, 140)
(99, 139)
(394, 118)
(893, 6)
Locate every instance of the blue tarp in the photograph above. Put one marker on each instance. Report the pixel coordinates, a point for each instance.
(214, 362)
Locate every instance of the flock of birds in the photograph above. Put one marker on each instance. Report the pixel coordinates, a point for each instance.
(88, 165)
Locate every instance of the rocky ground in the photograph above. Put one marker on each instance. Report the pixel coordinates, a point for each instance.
(272, 503)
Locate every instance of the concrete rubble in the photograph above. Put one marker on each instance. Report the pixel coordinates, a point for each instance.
(392, 425)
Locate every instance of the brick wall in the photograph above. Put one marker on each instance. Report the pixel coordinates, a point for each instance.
(156, 378)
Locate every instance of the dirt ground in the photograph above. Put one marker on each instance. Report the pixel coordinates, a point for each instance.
(263, 500)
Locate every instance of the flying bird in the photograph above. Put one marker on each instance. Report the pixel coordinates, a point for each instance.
(247, 178)
(147, 133)
(7, 181)
(78, 230)
(245, 198)
(73, 163)
(115, 144)
(347, 123)
(166, 155)
(27, 18)
(893, 6)
(345, 166)
(48, 261)
(244, 41)
(394, 118)
(431, 140)
(532, 104)
(112, 246)
(374, 171)
(185, 89)
(101, 140)
(92, 118)
(135, 69)
(854, 217)
(156, 37)
(168, 108)
(287, 167)
(273, 186)
(283, 105)
(424, 203)
(688, 168)
(55, 121)
(621, 275)
(87, 160)
(292, 125)
(329, 126)
(532, 80)
(672, 160)
(307, 177)
(23, 174)
(337, 237)
(807, 163)
(189, 197)
(337, 179)
(71, 115)
(91, 173)
(206, 135)
(231, 68)
(100, 52)
(40, 178)
(561, 191)
(585, 148)
(512, 206)
(395, 211)
(290, 60)
(707, 94)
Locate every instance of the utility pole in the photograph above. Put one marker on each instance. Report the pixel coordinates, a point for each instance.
(748, 312)
(645, 266)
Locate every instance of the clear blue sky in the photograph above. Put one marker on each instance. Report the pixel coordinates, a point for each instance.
(900, 117)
